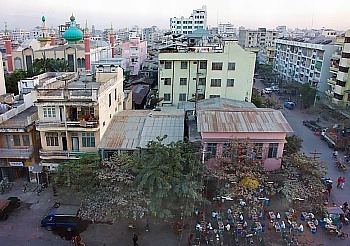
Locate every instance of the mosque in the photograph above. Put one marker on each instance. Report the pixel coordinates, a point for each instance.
(78, 50)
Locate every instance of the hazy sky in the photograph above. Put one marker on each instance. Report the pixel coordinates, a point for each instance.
(145, 13)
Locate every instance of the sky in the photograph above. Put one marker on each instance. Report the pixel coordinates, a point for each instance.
(252, 14)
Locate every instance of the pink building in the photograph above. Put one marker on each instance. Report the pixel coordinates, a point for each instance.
(135, 53)
(220, 120)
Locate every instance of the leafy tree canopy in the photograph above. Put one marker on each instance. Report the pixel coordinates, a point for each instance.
(293, 145)
(308, 94)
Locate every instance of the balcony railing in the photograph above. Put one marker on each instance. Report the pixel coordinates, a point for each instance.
(16, 153)
(81, 123)
(60, 153)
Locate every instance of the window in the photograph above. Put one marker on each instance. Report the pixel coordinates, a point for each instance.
(16, 140)
(115, 94)
(215, 83)
(167, 65)
(167, 81)
(25, 140)
(214, 96)
(258, 150)
(184, 64)
(211, 148)
(49, 112)
(109, 99)
(182, 97)
(167, 97)
(88, 139)
(183, 81)
(273, 147)
(231, 66)
(51, 138)
(201, 81)
(216, 66)
(203, 65)
(230, 82)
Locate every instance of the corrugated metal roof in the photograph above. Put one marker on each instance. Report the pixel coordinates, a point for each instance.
(124, 130)
(130, 129)
(242, 120)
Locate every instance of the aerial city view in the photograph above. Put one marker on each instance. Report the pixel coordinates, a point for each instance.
(174, 123)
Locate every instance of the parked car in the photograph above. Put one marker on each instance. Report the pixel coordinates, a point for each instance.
(267, 90)
(6, 206)
(275, 88)
(63, 216)
(289, 105)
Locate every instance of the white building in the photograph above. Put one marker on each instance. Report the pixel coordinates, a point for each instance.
(182, 25)
(304, 62)
(194, 73)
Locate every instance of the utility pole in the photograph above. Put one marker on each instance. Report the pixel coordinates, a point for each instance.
(315, 153)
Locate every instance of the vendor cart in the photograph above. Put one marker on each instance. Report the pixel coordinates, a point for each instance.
(335, 213)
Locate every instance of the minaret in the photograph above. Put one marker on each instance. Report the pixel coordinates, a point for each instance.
(2, 78)
(111, 39)
(87, 47)
(44, 37)
(7, 38)
(53, 37)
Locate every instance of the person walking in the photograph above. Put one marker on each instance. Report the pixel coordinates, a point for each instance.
(134, 239)
(338, 182)
(342, 182)
(329, 188)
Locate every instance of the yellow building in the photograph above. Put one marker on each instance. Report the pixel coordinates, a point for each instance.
(339, 82)
(74, 113)
(201, 72)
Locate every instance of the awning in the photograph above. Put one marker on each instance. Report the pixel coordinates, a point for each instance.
(37, 169)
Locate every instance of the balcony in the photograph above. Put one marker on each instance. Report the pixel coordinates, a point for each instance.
(64, 95)
(332, 81)
(16, 153)
(60, 154)
(71, 125)
(339, 90)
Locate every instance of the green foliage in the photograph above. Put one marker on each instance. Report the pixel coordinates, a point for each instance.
(171, 176)
(11, 81)
(80, 174)
(308, 94)
(256, 99)
(293, 145)
(115, 196)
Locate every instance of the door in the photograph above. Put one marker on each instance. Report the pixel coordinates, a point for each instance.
(64, 143)
(62, 116)
(8, 141)
(75, 143)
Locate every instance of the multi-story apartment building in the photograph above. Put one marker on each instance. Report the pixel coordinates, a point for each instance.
(19, 143)
(227, 30)
(261, 38)
(339, 82)
(197, 20)
(304, 61)
(74, 113)
(134, 52)
(200, 72)
(261, 41)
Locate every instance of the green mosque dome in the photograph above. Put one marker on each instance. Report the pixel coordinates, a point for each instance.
(73, 34)
(43, 18)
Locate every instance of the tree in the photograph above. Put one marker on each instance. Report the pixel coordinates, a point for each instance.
(115, 196)
(80, 174)
(11, 81)
(308, 94)
(171, 176)
(293, 145)
(59, 66)
(303, 186)
(240, 172)
(256, 99)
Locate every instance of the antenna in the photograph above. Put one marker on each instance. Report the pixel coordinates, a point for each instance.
(312, 20)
